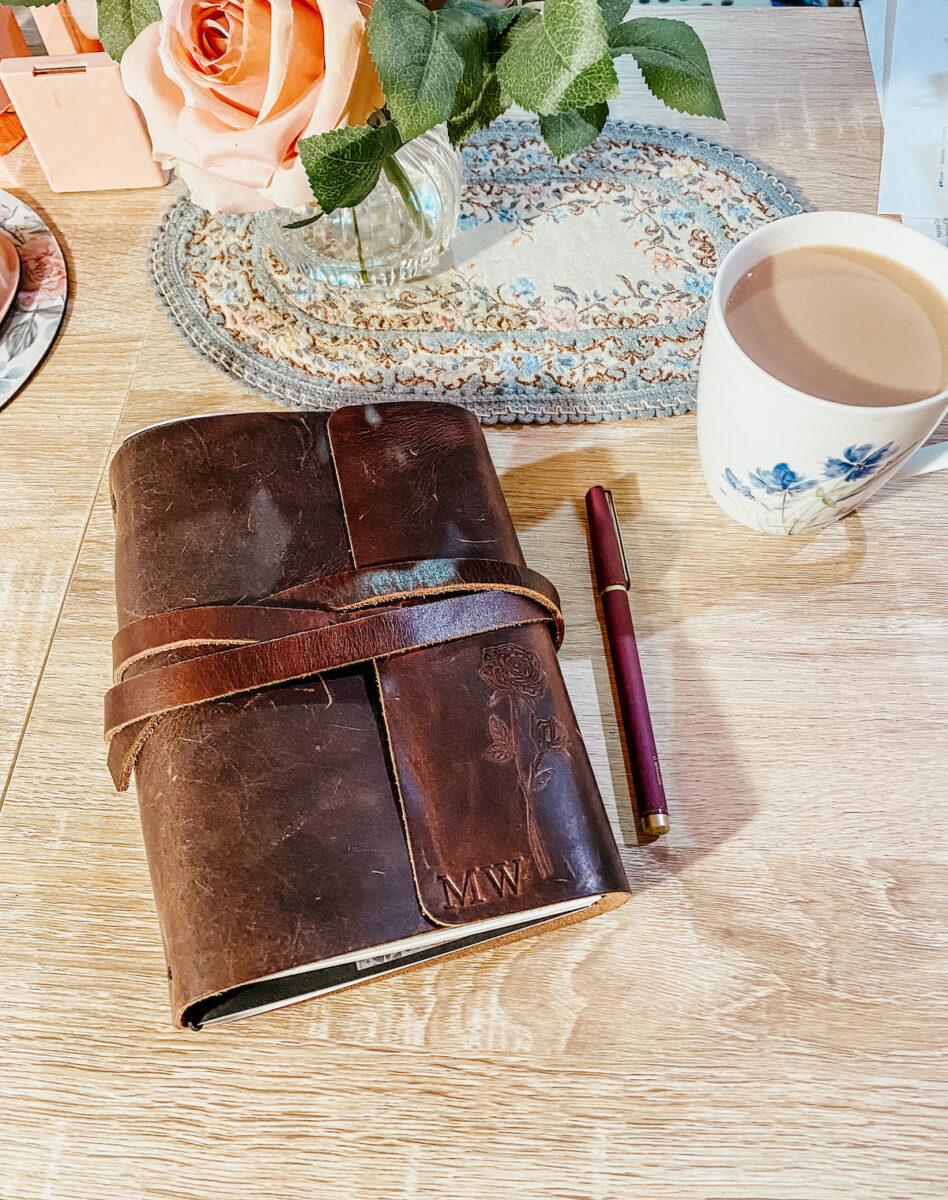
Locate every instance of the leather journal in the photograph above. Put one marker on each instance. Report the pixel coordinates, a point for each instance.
(336, 685)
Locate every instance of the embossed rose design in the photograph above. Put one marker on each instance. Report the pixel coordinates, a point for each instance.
(512, 669)
(523, 740)
(549, 733)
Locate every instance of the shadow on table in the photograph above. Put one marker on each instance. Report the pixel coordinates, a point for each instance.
(685, 555)
(687, 559)
(709, 793)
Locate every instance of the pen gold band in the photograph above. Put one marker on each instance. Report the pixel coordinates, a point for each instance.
(614, 587)
(655, 823)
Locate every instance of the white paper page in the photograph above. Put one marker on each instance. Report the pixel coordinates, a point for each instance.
(580, 683)
(933, 227)
(915, 156)
(873, 19)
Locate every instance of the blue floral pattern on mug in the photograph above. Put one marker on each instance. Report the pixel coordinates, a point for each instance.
(737, 485)
(781, 481)
(857, 461)
(803, 502)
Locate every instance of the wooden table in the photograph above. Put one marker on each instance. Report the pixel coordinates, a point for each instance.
(767, 1018)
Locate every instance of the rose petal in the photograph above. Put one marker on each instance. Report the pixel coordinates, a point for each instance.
(366, 95)
(281, 35)
(86, 15)
(247, 156)
(174, 59)
(198, 76)
(344, 38)
(240, 62)
(305, 63)
(289, 187)
(187, 67)
(216, 194)
(160, 100)
(244, 67)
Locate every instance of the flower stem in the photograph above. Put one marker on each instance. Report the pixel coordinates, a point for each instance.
(538, 850)
(395, 174)
(358, 240)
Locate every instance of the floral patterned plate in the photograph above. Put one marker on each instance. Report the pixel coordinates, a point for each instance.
(10, 274)
(31, 327)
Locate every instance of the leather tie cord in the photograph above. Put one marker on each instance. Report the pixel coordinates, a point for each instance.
(362, 615)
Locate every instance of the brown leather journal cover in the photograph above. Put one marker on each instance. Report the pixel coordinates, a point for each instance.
(336, 683)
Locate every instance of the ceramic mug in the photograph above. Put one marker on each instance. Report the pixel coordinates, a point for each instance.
(778, 459)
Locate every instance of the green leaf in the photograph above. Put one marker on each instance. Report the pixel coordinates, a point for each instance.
(565, 133)
(492, 14)
(673, 61)
(613, 11)
(487, 106)
(304, 221)
(28, 3)
(469, 36)
(550, 54)
(485, 101)
(429, 63)
(589, 87)
(121, 21)
(344, 165)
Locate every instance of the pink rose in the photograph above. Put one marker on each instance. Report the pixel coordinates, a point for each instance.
(228, 88)
(43, 278)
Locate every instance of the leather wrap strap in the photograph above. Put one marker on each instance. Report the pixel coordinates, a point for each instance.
(336, 622)
(313, 603)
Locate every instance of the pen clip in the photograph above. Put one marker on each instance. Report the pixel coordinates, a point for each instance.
(615, 525)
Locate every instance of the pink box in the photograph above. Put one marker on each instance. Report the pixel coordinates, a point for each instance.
(12, 45)
(59, 31)
(88, 134)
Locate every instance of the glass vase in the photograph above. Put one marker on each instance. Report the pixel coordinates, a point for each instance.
(398, 232)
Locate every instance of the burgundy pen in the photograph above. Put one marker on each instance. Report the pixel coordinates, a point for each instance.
(612, 583)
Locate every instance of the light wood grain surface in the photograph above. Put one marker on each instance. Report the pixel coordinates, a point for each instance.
(767, 1019)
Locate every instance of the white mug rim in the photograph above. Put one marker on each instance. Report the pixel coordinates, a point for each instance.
(759, 234)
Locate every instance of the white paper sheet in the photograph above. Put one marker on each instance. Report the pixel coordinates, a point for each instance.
(873, 19)
(933, 227)
(914, 176)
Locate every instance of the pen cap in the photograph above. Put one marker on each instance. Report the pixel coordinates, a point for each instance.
(604, 537)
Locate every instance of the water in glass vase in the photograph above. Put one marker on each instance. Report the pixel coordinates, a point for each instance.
(399, 231)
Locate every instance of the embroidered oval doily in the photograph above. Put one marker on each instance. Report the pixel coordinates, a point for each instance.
(572, 292)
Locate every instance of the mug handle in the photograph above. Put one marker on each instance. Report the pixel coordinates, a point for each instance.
(925, 459)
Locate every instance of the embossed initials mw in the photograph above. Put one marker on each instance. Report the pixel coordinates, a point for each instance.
(502, 877)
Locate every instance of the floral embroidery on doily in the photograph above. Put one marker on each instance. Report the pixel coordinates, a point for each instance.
(572, 290)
